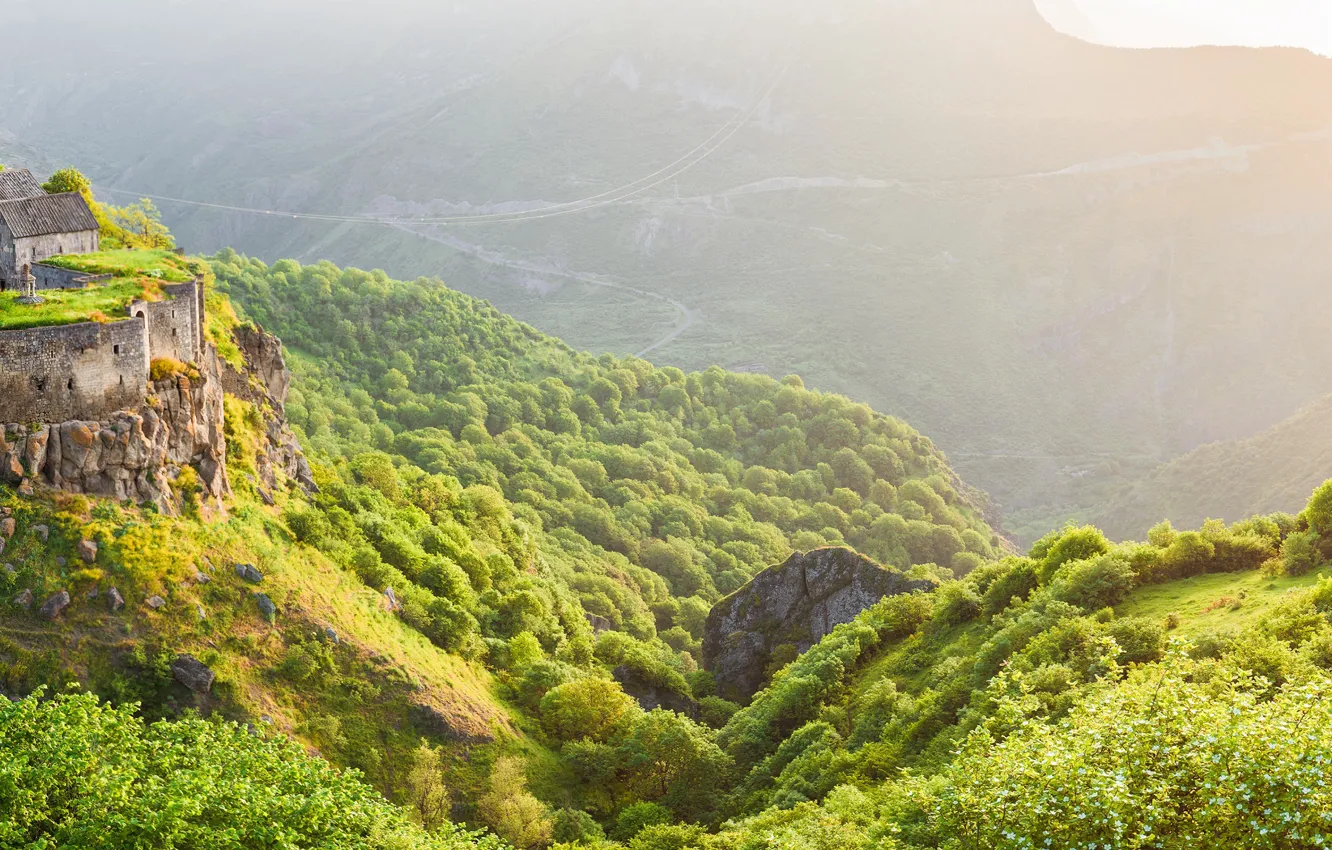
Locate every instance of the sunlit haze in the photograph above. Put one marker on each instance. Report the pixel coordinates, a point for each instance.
(1185, 23)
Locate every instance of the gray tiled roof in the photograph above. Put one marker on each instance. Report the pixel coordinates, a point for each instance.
(46, 214)
(18, 183)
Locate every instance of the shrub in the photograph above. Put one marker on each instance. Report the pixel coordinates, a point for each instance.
(574, 826)
(1094, 584)
(1017, 581)
(162, 368)
(1300, 554)
(587, 708)
(633, 819)
(1140, 640)
(78, 773)
(956, 602)
(1064, 547)
(1096, 778)
(716, 712)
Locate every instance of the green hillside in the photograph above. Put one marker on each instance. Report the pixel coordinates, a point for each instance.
(506, 529)
(1272, 471)
(499, 517)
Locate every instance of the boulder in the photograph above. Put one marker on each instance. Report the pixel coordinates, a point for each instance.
(41, 531)
(247, 572)
(24, 599)
(791, 606)
(87, 550)
(331, 635)
(192, 673)
(650, 696)
(266, 606)
(599, 623)
(7, 526)
(390, 599)
(115, 600)
(61, 562)
(157, 603)
(53, 607)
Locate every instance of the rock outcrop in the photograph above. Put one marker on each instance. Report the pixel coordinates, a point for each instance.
(134, 454)
(786, 609)
(140, 454)
(265, 382)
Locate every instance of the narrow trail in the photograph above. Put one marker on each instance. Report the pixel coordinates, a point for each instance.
(687, 316)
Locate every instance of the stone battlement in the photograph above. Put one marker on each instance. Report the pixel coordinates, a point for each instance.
(91, 369)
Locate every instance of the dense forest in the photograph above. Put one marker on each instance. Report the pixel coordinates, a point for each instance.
(652, 493)
(520, 545)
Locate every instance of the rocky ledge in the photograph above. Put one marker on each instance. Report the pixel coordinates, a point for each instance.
(141, 454)
(786, 609)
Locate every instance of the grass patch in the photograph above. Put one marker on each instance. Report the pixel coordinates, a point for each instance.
(1220, 602)
(98, 303)
(160, 265)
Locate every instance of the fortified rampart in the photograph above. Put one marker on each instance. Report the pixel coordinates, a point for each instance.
(175, 325)
(72, 371)
(90, 370)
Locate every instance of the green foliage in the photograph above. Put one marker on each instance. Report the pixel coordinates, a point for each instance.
(1162, 759)
(1300, 554)
(633, 819)
(68, 180)
(514, 813)
(181, 784)
(588, 708)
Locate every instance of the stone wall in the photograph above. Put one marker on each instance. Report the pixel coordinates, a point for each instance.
(71, 371)
(54, 277)
(34, 249)
(132, 454)
(91, 370)
(175, 326)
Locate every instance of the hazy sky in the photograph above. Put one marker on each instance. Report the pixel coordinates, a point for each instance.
(1173, 23)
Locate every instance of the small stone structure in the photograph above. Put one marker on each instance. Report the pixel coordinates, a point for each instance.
(54, 277)
(91, 369)
(35, 226)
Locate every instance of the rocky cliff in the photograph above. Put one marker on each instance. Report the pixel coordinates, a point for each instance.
(265, 382)
(785, 609)
(141, 454)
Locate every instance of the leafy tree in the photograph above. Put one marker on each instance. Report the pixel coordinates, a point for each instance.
(68, 180)
(520, 818)
(430, 803)
(587, 708)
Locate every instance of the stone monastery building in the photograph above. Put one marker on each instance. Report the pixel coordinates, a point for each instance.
(35, 226)
(90, 369)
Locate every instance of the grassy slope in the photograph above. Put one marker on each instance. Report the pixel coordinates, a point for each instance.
(1273, 471)
(369, 697)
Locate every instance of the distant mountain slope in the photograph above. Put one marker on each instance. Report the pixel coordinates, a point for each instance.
(1272, 471)
(1044, 253)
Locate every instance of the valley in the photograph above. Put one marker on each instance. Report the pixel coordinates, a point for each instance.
(633, 426)
(1080, 262)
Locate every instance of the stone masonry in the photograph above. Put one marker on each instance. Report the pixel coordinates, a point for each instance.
(90, 370)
